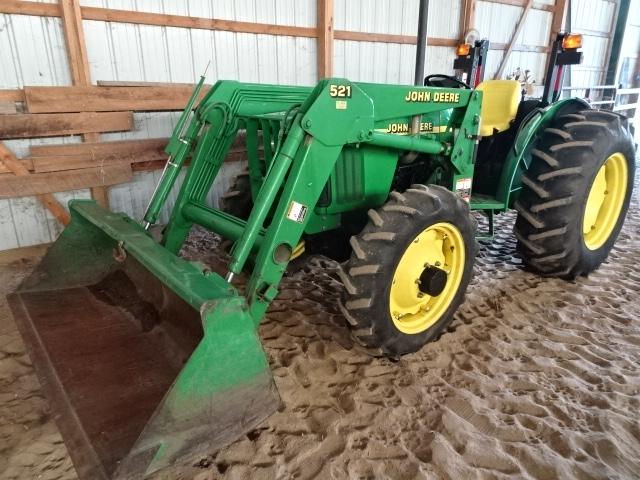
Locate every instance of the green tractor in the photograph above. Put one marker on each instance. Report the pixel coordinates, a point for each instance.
(151, 360)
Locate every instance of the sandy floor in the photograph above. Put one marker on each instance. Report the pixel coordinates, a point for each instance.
(536, 378)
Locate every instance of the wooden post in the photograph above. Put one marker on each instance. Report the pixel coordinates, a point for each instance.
(467, 17)
(79, 65)
(76, 46)
(559, 19)
(48, 200)
(514, 37)
(325, 38)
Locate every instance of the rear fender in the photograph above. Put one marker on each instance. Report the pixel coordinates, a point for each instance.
(519, 156)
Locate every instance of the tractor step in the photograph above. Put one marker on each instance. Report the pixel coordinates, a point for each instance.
(485, 202)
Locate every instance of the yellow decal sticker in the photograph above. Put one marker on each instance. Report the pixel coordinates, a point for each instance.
(341, 104)
(433, 97)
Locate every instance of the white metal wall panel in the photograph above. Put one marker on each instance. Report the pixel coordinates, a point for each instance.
(497, 22)
(24, 221)
(630, 53)
(594, 19)
(171, 54)
(388, 62)
(32, 51)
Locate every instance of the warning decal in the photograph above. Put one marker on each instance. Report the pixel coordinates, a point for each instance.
(463, 188)
(296, 212)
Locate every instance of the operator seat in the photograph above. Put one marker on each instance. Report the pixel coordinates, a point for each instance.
(500, 100)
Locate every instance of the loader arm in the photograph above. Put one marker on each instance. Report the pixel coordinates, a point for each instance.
(321, 122)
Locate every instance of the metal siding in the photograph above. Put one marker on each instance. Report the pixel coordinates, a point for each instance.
(594, 19)
(33, 48)
(32, 51)
(497, 22)
(388, 62)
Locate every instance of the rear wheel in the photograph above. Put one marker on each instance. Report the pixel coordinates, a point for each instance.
(575, 194)
(409, 270)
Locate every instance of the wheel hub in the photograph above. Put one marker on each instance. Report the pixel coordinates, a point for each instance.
(432, 281)
(605, 201)
(427, 278)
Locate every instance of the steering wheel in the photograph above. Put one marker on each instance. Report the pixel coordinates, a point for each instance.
(444, 81)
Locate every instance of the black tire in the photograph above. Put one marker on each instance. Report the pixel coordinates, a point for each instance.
(551, 206)
(368, 274)
(237, 200)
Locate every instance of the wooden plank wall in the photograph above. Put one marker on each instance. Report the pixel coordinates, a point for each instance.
(57, 125)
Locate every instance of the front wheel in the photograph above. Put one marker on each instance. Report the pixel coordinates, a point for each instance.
(575, 194)
(409, 270)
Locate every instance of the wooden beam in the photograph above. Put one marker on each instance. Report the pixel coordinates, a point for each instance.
(468, 17)
(519, 48)
(26, 162)
(51, 158)
(43, 183)
(374, 37)
(79, 65)
(441, 42)
(106, 99)
(120, 83)
(182, 21)
(8, 159)
(73, 156)
(100, 149)
(559, 19)
(74, 37)
(325, 38)
(12, 95)
(60, 124)
(514, 37)
(522, 3)
(18, 7)
(8, 108)
(391, 38)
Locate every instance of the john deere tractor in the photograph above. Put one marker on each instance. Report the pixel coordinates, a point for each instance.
(150, 359)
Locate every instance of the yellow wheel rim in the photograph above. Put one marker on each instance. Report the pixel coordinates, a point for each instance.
(604, 202)
(439, 246)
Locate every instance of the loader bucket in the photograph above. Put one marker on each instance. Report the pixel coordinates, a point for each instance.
(148, 361)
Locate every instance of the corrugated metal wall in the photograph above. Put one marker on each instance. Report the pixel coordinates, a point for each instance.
(497, 22)
(392, 63)
(32, 49)
(594, 19)
(631, 47)
(32, 52)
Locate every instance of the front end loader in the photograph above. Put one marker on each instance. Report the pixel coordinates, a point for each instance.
(151, 360)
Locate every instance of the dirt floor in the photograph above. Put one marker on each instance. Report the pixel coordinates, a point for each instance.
(536, 378)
